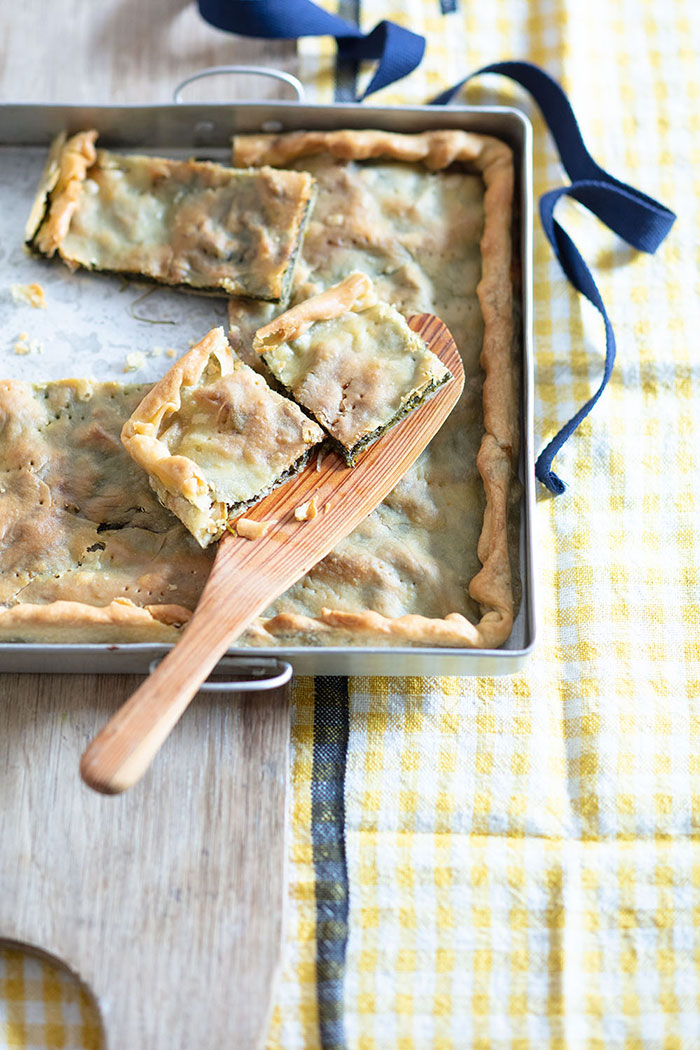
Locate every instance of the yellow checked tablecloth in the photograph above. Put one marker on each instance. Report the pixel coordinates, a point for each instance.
(522, 856)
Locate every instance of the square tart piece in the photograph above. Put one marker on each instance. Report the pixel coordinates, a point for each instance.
(351, 361)
(177, 222)
(214, 438)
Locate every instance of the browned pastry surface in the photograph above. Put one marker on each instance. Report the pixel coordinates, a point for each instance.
(213, 437)
(80, 529)
(429, 218)
(180, 222)
(82, 535)
(351, 361)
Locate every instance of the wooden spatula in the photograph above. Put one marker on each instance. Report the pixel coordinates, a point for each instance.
(248, 575)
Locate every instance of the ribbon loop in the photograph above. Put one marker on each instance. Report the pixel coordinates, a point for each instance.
(398, 50)
(638, 219)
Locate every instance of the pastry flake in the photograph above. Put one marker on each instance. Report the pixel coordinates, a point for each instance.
(30, 294)
(250, 529)
(214, 438)
(351, 361)
(178, 222)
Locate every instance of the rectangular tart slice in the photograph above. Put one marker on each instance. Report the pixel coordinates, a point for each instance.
(214, 437)
(178, 222)
(351, 361)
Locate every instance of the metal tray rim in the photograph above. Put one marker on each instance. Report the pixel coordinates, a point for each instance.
(69, 656)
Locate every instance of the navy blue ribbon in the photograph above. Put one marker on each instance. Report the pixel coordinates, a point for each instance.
(398, 50)
(640, 220)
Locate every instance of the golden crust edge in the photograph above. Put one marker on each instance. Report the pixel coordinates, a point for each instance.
(59, 189)
(178, 474)
(354, 293)
(77, 622)
(435, 149)
(492, 587)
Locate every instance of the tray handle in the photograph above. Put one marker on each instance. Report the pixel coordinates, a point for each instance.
(267, 674)
(263, 71)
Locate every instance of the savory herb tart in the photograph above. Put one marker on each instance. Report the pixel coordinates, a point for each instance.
(179, 222)
(214, 438)
(351, 361)
(429, 218)
(87, 553)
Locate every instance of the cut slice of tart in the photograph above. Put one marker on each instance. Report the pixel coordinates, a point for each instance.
(351, 361)
(215, 438)
(179, 222)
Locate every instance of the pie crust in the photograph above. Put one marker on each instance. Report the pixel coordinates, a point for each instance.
(180, 222)
(214, 438)
(429, 217)
(87, 553)
(351, 362)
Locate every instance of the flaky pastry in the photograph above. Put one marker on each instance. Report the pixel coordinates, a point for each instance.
(180, 222)
(214, 438)
(429, 217)
(351, 361)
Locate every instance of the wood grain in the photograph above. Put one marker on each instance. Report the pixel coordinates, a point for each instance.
(121, 51)
(167, 901)
(248, 575)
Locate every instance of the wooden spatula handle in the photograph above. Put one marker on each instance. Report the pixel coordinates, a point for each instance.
(120, 754)
(247, 576)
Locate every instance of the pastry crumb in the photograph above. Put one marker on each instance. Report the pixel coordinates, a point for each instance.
(327, 507)
(25, 345)
(156, 351)
(306, 511)
(31, 294)
(134, 361)
(170, 352)
(253, 530)
(172, 586)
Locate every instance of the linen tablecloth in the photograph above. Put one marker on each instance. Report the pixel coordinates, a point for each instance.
(513, 862)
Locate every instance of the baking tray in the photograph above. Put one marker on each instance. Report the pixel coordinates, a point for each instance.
(78, 346)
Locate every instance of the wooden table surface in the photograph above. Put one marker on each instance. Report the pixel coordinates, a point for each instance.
(120, 51)
(123, 51)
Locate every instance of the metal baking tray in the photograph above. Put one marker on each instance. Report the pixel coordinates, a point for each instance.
(206, 129)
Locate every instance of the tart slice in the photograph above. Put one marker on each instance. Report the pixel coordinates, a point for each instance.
(214, 437)
(178, 222)
(351, 361)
